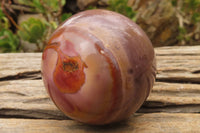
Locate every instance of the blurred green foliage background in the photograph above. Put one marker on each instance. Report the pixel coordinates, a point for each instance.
(171, 22)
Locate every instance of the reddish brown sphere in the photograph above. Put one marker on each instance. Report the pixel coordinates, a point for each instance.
(98, 67)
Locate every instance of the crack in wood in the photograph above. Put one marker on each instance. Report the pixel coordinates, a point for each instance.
(57, 115)
(196, 72)
(34, 75)
(17, 116)
(184, 108)
(177, 54)
(13, 93)
(40, 100)
(177, 80)
(32, 114)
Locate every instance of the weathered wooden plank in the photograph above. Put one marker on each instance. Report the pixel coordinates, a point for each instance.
(143, 123)
(180, 68)
(22, 95)
(173, 97)
(13, 64)
(28, 99)
(177, 50)
(174, 64)
(178, 64)
(175, 94)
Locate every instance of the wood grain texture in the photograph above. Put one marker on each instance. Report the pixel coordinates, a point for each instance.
(174, 64)
(12, 64)
(145, 123)
(178, 64)
(173, 105)
(28, 99)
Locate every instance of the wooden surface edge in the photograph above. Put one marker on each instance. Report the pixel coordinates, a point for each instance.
(143, 123)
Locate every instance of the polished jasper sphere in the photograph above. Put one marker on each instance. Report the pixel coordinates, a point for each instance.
(98, 67)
